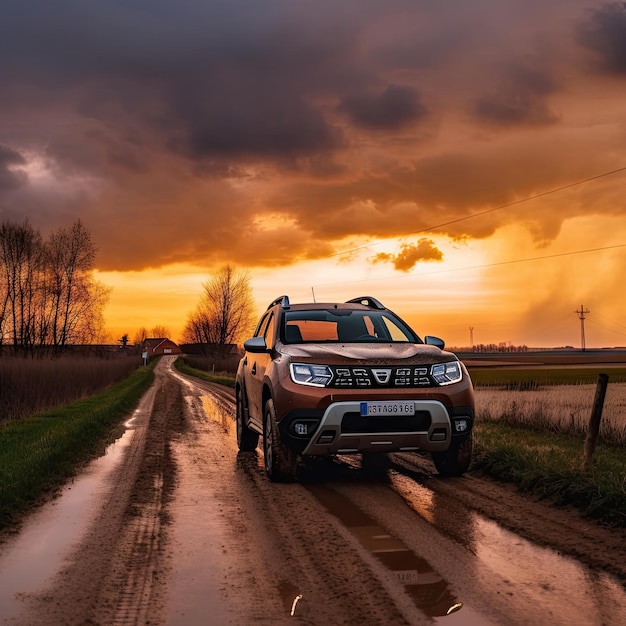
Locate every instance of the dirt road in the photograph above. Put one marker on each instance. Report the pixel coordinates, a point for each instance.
(180, 528)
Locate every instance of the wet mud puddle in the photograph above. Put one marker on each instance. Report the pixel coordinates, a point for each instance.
(550, 580)
(430, 593)
(31, 558)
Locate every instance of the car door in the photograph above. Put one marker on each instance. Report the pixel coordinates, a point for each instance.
(255, 366)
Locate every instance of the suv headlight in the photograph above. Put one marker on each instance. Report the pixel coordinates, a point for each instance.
(446, 373)
(314, 375)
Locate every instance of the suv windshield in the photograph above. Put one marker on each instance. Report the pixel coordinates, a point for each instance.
(341, 325)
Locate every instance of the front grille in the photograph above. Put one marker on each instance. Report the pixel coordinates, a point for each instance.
(355, 423)
(380, 377)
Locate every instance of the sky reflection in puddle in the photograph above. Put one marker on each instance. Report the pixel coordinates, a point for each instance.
(37, 552)
(546, 577)
(428, 590)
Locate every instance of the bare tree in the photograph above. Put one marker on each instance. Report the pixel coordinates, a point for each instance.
(225, 311)
(159, 331)
(85, 319)
(71, 255)
(21, 260)
(48, 295)
(140, 336)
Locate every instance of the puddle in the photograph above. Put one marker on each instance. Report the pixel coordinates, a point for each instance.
(220, 413)
(215, 408)
(38, 551)
(291, 597)
(428, 590)
(550, 580)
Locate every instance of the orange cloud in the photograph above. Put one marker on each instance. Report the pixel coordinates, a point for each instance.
(411, 254)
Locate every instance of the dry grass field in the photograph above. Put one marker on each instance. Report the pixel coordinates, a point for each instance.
(551, 390)
(561, 408)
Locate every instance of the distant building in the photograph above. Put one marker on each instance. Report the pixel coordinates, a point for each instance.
(161, 345)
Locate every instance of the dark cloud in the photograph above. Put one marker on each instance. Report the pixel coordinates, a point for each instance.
(251, 123)
(11, 177)
(397, 106)
(521, 99)
(411, 254)
(604, 33)
(170, 127)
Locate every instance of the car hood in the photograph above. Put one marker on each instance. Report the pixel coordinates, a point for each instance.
(374, 354)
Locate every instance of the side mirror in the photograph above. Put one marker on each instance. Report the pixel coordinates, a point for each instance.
(434, 341)
(256, 345)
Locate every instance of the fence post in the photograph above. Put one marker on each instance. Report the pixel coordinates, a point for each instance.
(594, 421)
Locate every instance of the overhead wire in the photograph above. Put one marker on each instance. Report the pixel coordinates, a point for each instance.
(612, 330)
(487, 265)
(610, 321)
(486, 211)
(478, 214)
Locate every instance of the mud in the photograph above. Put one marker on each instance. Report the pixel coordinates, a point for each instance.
(189, 531)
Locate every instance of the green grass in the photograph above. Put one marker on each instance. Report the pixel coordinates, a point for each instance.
(38, 454)
(537, 377)
(221, 379)
(550, 466)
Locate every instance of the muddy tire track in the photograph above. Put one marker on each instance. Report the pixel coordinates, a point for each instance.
(133, 591)
(114, 575)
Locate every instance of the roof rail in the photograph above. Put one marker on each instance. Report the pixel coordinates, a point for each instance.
(372, 303)
(282, 300)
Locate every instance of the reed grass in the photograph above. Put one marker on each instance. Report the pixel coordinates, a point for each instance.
(30, 386)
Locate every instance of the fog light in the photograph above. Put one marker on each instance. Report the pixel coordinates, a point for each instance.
(301, 429)
(460, 426)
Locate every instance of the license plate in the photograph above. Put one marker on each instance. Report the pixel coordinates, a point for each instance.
(387, 408)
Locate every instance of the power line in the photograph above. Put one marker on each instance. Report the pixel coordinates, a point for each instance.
(486, 211)
(612, 330)
(610, 321)
(535, 258)
(486, 265)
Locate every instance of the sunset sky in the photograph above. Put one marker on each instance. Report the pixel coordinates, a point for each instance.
(463, 161)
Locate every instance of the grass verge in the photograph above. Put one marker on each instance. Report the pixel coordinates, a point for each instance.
(38, 454)
(220, 379)
(550, 466)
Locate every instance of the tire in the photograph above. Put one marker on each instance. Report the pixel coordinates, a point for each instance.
(281, 463)
(457, 459)
(247, 439)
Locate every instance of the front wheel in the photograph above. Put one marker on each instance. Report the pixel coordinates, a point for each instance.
(281, 463)
(247, 439)
(457, 459)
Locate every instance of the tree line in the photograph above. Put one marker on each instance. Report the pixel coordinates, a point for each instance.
(49, 298)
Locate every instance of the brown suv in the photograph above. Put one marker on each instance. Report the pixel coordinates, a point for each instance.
(322, 379)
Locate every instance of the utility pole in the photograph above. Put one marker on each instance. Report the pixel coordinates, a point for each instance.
(471, 329)
(581, 316)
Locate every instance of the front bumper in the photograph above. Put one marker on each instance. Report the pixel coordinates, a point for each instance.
(342, 430)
